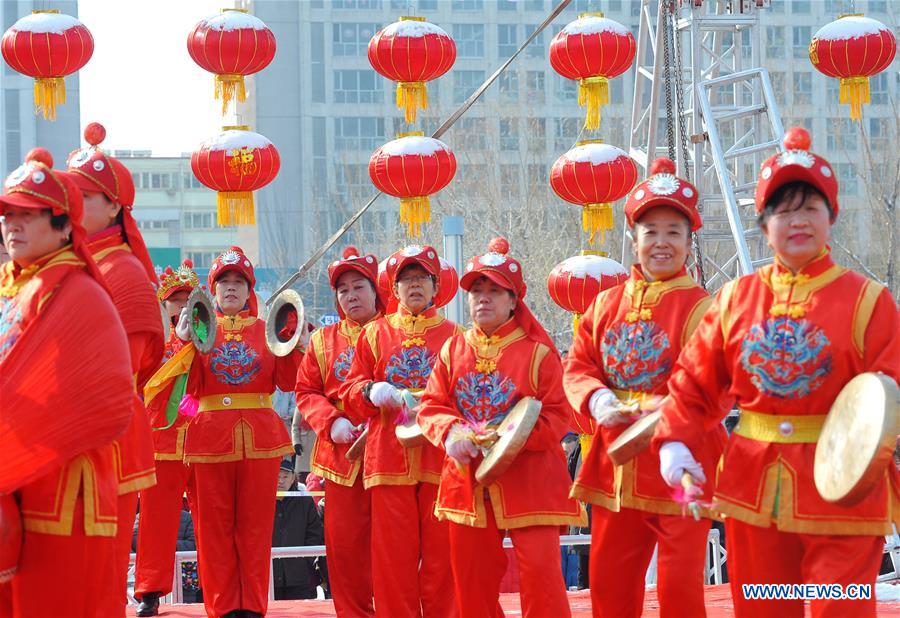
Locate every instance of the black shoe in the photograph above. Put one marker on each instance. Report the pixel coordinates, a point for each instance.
(149, 604)
(248, 614)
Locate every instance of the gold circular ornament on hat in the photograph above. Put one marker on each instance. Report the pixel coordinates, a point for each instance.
(663, 184)
(858, 439)
(513, 432)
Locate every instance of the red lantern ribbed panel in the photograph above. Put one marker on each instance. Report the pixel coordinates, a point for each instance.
(592, 175)
(47, 45)
(575, 282)
(448, 284)
(231, 45)
(853, 48)
(235, 163)
(412, 168)
(411, 52)
(592, 49)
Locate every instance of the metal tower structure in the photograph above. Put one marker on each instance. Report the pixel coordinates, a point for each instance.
(702, 97)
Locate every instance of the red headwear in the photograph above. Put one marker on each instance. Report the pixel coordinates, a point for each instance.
(34, 184)
(663, 188)
(234, 259)
(506, 272)
(182, 279)
(448, 284)
(366, 265)
(796, 163)
(93, 170)
(425, 256)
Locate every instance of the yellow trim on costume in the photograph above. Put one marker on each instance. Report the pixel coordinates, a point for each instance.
(541, 518)
(445, 354)
(797, 288)
(235, 401)
(410, 324)
(537, 357)
(490, 347)
(244, 448)
(98, 257)
(694, 317)
(317, 344)
(178, 455)
(372, 339)
(347, 480)
(862, 313)
(725, 295)
(179, 364)
(780, 428)
(10, 285)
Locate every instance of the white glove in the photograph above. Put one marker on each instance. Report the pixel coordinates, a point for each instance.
(183, 328)
(675, 459)
(383, 394)
(342, 431)
(606, 408)
(461, 449)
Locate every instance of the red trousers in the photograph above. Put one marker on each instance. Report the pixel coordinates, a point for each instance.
(62, 575)
(621, 549)
(768, 556)
(348, 524)
(479, 563)
(161, 507)
(118, 591)
(235, 516)
(405, 531)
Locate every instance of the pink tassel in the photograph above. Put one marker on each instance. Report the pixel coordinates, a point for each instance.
(189, 406)
(689, 500)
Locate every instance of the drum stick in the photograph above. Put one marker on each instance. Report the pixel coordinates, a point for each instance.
(687, 482)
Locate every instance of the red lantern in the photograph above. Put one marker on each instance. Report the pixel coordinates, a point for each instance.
(412, 168)
(853, 48)
(47, 45)
(411, 52)
(384, 288)
(235, 163)
(592, 49)
(574, 283)
(593, 174)
(448, 284)
(231, 45)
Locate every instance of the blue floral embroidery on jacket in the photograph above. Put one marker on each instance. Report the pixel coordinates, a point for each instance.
(410, 367)
(634, 356)
(341, 366)
(786, 358)
(484, 398)
(234, 363)
(10, 319)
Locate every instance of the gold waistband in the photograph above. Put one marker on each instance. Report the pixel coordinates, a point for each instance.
(780, 428)
(643, 399)
(237, 401)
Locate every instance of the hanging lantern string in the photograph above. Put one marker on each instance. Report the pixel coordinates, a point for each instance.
(462, 109)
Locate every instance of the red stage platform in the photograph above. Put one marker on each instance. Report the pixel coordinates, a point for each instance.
(718, 605)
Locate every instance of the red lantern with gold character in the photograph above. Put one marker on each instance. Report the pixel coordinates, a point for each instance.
(574, 283)
(411, 52)
(853, 48)
(232, 45)
(47, 45)
(593, 174)
(593, 50)
(412, 168)
(235, 163)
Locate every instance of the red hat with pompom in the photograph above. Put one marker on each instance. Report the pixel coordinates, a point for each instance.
(366, 265)
(663, 188)
(91, 169)
(425, 256)
(498, 266)
(181, 279)
(796, 164)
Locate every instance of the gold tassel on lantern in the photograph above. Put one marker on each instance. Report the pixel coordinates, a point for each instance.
(414, 211)
(593, 92)
(597, 218)
(410, 97)
(230, 87)
(855, 91)
(235, 208)
(48, 93)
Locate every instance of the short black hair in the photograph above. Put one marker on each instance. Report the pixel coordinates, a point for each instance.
(58, 222)
(789, 192)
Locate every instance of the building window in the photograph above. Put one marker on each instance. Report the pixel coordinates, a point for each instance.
(536, 135)
(471, 134)
(153, 180)
(775, 41)
(878, 88)
(358, 133)
(878, 133)
(847, 179)
(507, 5)
(465, 83)
(802, 88)
(536, 48)
(836, 7)
(565, 132)
(358, 87)
(188, 181)
(420, 5)
(146, 226)
(199, 220)
(507, 39)
(779, 86)
(509, 134)
(202, 259)
(352, 39)
(352, 179)
(841, 134)
(369, 5)
(802, 37)
(469, 40)
(534, 87)
(565, 90)
(13, 128)
(877, 6)
(534, 5)
(800, 7)
(510, 176)
(467, 5)
(508, 86)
